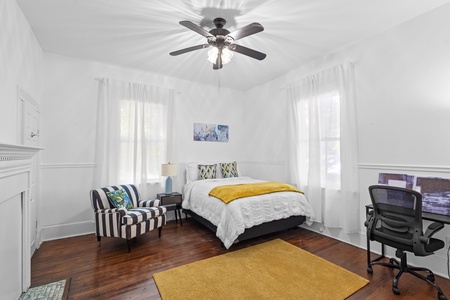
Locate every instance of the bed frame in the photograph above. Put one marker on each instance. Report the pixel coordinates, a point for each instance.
(255, 231)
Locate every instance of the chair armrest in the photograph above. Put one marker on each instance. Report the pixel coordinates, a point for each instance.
(149, 203)
(433, 228)
(111, 211)
(369, 216)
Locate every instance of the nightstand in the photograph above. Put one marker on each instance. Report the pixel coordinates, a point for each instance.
(172, 202)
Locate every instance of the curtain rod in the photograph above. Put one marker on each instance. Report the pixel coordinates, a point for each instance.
(176, 91)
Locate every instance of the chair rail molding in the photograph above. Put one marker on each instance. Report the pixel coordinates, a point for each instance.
(15, 169)
(68, 166)
(422, 168)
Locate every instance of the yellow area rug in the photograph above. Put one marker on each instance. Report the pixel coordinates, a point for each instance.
(272, 270)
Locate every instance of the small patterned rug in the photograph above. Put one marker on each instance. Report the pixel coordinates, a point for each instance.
(57, 290)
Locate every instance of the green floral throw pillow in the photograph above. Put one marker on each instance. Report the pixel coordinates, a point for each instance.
(120, 199)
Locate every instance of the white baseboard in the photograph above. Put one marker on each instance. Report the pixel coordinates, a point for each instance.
(32, 248)
(55, 232)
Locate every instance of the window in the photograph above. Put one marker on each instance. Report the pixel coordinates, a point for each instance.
(325, 140)
(142, 139)
(133, 122)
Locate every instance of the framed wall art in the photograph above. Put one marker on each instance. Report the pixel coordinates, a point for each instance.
(210, 132)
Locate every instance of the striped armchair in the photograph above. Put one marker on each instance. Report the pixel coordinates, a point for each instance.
(110, 221)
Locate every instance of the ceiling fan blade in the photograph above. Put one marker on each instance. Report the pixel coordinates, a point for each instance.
(189, 49)
(195, 28)
(246, 31)
(247, 51)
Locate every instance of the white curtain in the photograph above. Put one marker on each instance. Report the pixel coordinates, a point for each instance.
(323, 145)
(133, 129)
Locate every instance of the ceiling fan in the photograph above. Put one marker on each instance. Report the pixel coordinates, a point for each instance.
(222, 42)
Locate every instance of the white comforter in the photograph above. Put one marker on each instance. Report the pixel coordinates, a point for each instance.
(233, 218)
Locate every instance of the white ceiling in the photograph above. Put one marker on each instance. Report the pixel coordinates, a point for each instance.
(141, 33)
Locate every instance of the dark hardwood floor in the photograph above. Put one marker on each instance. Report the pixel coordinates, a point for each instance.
(110, 272)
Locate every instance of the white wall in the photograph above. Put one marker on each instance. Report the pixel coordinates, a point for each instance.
(403, 109)
(404, 93)
(21, 66)
(69, 135)
(265, 120)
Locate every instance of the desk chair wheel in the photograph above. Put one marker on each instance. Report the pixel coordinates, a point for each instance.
(370, 270)
(441, 296)
(396, 290)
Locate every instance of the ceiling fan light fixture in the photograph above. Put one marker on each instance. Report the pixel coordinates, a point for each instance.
(212, 54)
(226, 55)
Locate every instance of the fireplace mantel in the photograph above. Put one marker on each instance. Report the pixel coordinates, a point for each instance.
(17, 152)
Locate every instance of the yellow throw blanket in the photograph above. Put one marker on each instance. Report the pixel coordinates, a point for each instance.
(228, 193)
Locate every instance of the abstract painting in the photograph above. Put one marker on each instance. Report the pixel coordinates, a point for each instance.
(210, 132)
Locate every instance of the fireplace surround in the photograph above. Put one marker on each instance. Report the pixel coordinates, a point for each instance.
(15, 256)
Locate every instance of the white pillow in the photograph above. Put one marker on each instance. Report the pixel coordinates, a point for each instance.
(191, 172)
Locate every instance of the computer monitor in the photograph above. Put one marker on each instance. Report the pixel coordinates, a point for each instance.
(435, 190)
(435, 195)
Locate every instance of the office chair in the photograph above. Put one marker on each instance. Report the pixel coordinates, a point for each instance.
(396, 221)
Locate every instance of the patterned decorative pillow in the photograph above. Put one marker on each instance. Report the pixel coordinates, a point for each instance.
(229, 169)
(120, 199)
(207, 171)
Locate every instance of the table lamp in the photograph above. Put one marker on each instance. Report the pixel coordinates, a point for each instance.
(168, 170)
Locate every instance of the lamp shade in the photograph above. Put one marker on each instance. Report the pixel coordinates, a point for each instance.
(168, 170)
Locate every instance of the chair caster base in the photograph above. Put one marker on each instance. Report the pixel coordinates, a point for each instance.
(369, 270)
(442, 297)
(431, 277)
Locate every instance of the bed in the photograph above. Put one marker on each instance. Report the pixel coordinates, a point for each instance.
(243, 218)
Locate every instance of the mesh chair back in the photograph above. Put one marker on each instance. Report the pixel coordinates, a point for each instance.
(397, 218)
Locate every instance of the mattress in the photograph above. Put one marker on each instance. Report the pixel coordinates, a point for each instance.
(233, 218)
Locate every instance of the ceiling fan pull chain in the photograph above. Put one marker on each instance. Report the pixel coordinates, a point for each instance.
(218, 83)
